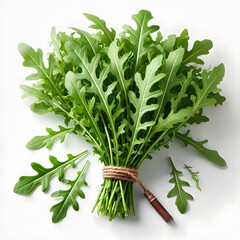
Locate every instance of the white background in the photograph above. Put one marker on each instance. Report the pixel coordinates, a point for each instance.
(213, 215)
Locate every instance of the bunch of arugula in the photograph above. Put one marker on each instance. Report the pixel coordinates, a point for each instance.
(127, 96)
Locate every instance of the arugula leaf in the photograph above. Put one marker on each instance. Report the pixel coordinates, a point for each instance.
(27, 184)
(88, 41)
(194, 176)
(35, 60)
(182, 40)
(47, 141)
(56, 44)
(210, 155)
(171, 68)
(199, 48)
(182, 196)
(137, 38)
(108, 36)
(34, 92)
(169, 43)
(172, 119)
(210, 83)
(140, 104)
(117, 67)
(198, 118)
(69, 196)
(40, 108)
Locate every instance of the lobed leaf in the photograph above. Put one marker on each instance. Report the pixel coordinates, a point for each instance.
(47, 141)
(210, 155)
(137, 38)
(27, 184)
(69, 196)
(199, 48)
(181, 196)
(107, 36)
(141, 103)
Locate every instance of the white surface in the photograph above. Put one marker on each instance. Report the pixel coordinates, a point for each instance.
(214, 214)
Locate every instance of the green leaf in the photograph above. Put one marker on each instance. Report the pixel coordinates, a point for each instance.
(210, 155)
(27, 184)
(194, 176)
(172, 119)
(169, 43)
(35, 60)
(210, 82)
(117, 67)
(182, 40)
(56, 43)
(48, 140)
(69, 196)
(141, 104)
(137, 38)
(199, 48)
(88, 41)
(171, 67)
(198, 118)
(107, 36)
(219, 98)
(178, 191)
(34, 92)
(40, 108)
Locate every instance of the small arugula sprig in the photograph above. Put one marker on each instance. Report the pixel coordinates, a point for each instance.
(194, 176)
(126, 95)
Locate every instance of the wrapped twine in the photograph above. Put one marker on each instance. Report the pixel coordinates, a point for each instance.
(131, 175)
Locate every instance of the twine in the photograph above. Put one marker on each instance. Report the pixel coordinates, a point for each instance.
(122, 173)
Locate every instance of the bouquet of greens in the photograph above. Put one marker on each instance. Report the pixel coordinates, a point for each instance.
(127, 96)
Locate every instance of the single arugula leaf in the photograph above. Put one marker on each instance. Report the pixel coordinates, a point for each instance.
(210, 155)
(40, 108)
(117, 67)
(137, 38)
(198, 118)
(169, 43)
(210, 82)
(141, 103)
(178, 191)
(48, 140)
(171, 67)
(69, 196)
(194, 176)
(107, 36)
(34, 92)
(172, 119)
(35, 60)
(27, 184)
(182, 40)
(56, 43)
(199, 48)
(88, 41)
(175, 102)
